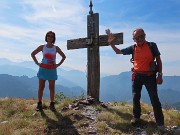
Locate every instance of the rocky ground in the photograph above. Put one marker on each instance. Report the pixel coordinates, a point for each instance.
(87, 106)
(17, 116)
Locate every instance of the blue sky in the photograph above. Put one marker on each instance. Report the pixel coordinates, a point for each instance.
(24, 23)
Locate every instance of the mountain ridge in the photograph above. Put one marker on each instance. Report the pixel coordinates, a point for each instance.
(112, 87)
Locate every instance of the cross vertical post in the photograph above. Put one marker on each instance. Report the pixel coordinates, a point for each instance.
(93, 64)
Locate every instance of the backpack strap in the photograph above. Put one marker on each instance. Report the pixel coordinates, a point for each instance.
(151, 47)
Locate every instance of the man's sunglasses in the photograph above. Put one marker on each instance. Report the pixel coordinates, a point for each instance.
(138, 37)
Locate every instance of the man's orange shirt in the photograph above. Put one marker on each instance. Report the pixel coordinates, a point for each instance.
(142, 58)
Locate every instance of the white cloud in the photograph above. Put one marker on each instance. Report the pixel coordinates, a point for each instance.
(13, 56)
(14, 32)
(64, 17)
(42, 16)
(54, 9)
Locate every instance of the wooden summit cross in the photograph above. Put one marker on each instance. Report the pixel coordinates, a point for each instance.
(92, 43)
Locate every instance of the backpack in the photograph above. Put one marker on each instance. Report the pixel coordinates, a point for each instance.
(153, 64)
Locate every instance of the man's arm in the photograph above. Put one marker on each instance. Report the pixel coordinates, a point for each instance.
(110, 40)
(159, 65)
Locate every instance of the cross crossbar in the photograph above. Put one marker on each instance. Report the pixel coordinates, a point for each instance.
(85, 42)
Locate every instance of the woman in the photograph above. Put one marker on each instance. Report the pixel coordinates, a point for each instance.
(47, 68)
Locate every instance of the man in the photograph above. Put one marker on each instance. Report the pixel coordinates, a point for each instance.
(143, 74)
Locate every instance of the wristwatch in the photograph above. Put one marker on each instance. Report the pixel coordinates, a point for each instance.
(160, 73)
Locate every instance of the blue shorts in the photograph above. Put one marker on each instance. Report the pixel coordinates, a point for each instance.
(47, 74)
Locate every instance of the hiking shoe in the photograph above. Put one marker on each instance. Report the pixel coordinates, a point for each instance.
(135, 121)
(39, 106)
(52, 107)
(162, 129)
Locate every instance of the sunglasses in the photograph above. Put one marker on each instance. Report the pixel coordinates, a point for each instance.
(50, 36)
(138, 37)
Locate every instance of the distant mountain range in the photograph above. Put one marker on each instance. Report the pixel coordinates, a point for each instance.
(25, 87)
(67, 76)
(118, 88)
(19, 80)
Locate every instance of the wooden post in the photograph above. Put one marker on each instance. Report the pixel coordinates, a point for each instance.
(92, 43)
(93, 65)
